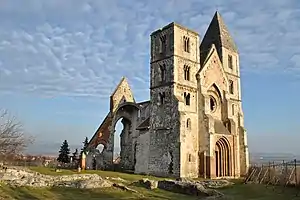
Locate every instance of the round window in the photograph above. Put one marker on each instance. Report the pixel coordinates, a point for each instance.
(212, 104)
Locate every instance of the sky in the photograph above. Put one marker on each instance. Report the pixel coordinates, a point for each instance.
(60, 60)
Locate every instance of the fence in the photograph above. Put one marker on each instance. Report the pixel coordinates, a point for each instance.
(275, 174)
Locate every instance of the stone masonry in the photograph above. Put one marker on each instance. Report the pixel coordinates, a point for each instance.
(193, 124)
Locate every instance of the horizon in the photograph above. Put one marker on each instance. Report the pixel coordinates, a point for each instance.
(60, 61)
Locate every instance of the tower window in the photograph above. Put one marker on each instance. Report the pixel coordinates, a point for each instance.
(232, 109)
(186, 43)
(187, 99)
(162, 97)
(163, 44)
(188, 123)
(186, 70)
(230, 62)
(190, 158)
(231, 86)
(162, 72)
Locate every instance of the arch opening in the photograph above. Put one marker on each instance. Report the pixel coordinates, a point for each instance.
(122, 131)
(222, 158)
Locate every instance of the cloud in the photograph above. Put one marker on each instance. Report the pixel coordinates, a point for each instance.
(83, 48)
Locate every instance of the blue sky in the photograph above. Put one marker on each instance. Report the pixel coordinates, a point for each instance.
(60, 60)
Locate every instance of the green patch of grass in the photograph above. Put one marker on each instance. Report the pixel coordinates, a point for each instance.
(238, 191)
(129, 177)
(27, 193)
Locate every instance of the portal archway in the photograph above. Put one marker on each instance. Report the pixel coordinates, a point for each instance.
(222, 158)
(122, 136)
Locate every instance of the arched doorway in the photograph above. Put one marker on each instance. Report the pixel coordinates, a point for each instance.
(222, 158)
(122, 143)
(123, 137)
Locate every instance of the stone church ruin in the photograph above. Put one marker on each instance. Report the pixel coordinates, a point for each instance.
(193, 124)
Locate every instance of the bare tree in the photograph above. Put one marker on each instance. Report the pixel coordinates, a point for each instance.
(13, 139)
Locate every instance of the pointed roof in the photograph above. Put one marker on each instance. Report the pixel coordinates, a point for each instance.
(218, 34)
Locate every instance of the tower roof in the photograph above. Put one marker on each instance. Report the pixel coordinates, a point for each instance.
(218, 34)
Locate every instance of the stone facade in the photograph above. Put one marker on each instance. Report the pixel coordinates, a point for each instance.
(193, 125)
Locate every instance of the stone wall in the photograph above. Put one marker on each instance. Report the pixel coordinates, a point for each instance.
(142, 153)
(164, 151)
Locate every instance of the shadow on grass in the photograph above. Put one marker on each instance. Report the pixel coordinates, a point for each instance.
(57, 193)
(241, 191)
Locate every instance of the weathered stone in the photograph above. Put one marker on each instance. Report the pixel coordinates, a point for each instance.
(19, 178)
(149, 184)
(190, 188)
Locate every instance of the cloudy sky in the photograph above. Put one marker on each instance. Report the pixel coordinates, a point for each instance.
(60, 60)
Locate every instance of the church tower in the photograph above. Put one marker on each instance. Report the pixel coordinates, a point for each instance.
(175, 60)
(218, 34)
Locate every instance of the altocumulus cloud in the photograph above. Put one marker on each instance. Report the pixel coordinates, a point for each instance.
(83, 48)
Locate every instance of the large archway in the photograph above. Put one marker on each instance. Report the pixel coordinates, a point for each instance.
(122, 142)
(222, 158)
(123, 136)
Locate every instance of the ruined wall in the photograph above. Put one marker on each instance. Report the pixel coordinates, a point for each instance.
(142, 153)
(121, 94)
(164, 151)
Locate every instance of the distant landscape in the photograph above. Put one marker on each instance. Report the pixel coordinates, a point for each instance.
(51, 149)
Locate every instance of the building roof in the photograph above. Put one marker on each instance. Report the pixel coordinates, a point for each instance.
(218, 34)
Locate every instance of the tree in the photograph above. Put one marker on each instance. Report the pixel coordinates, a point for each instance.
(75, 154)
(85, 144)
(13, 139)
(64, 153)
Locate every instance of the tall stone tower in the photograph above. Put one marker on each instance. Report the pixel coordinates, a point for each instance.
(175, 60)
(218, 34)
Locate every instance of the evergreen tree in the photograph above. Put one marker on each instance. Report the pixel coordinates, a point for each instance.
(85, 144)
(75, 154)
(64, 153)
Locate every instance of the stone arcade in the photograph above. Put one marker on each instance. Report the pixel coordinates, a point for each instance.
(193, 125)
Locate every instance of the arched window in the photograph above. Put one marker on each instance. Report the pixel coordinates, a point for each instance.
(188, 123)
(163, 44)
(186, 43)
(231, 86)
(187, 99)
(162, 98)
(162, 72)
(186, 70)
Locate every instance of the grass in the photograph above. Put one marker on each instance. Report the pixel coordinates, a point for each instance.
(237, 192)
(129, 177)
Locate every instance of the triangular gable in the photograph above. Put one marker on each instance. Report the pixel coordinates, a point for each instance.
(122, 93)
(213, 72)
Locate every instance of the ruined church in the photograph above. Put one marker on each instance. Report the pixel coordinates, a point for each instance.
(193, 124)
